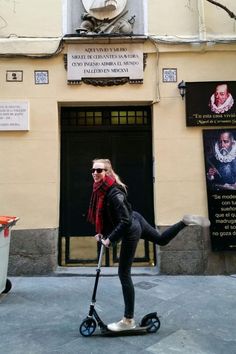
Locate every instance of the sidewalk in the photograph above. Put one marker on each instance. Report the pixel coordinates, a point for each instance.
(42, 315)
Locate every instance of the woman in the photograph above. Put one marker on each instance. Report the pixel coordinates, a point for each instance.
(114, 220)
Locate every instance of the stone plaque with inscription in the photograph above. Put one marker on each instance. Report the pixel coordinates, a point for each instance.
(14, 115)
(105, 61)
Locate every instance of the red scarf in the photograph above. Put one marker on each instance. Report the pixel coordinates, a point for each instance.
(97, 202)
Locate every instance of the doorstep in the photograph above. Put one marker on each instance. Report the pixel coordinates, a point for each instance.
(105, 271)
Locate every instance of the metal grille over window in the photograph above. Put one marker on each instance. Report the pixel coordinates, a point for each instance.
(118, 117)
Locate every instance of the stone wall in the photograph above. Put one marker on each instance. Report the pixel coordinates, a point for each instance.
(33, 252)
(190, 253)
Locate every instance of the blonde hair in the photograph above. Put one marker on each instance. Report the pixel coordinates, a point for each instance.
(110, 171)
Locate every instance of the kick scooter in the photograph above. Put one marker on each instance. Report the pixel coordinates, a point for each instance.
(149, 323)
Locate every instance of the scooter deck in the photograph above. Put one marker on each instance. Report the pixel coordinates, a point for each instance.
(128, 332)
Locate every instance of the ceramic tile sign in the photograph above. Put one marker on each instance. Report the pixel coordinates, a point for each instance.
(14, 115)
(105, 61)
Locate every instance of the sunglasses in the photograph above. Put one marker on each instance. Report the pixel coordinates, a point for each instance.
(98, 170)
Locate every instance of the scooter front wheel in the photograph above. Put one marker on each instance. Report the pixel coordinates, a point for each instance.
(87, 327)
(152, 323)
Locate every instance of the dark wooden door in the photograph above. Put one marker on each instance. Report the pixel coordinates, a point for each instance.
(128, 146)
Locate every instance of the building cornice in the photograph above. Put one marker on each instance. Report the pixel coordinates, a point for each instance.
(104, 39)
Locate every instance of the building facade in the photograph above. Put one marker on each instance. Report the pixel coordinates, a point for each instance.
(82, 79)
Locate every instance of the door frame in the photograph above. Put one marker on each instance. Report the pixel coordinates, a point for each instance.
(101, 128)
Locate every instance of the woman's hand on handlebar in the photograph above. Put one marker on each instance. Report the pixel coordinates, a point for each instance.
(98, 237)
(106, 242)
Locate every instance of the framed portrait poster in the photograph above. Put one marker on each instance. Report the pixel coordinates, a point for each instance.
(211, 103)
(220, 170)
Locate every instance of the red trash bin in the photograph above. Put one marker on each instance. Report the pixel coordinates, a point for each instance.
(6, 223)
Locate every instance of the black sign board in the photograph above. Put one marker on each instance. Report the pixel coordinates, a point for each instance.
(211, 103)
(220, 165)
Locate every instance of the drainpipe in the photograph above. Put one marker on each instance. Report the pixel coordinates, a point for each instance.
(201, 21)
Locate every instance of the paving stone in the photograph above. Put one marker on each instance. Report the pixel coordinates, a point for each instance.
(42, 315)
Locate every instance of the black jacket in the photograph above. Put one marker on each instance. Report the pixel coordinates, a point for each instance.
(117, 214)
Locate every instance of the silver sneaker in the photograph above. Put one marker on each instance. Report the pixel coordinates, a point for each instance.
(123, 325)
(189, 219)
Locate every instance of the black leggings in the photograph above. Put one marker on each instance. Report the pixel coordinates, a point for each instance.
(140, 229)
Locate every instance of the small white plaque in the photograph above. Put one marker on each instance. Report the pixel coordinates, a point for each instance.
(105, 61)
(14, 115)
(14, 75)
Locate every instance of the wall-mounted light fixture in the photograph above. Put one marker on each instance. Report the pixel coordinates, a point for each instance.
(182, 89)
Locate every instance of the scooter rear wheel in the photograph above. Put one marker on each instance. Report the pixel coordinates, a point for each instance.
(87, 327)
(152, 323)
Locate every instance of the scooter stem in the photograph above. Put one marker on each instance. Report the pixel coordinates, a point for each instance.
(98, 270)
(100, 256)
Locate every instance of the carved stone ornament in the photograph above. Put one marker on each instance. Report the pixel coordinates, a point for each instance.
(105, 82)
(105, 16)
(101, 82)
(104, 9)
